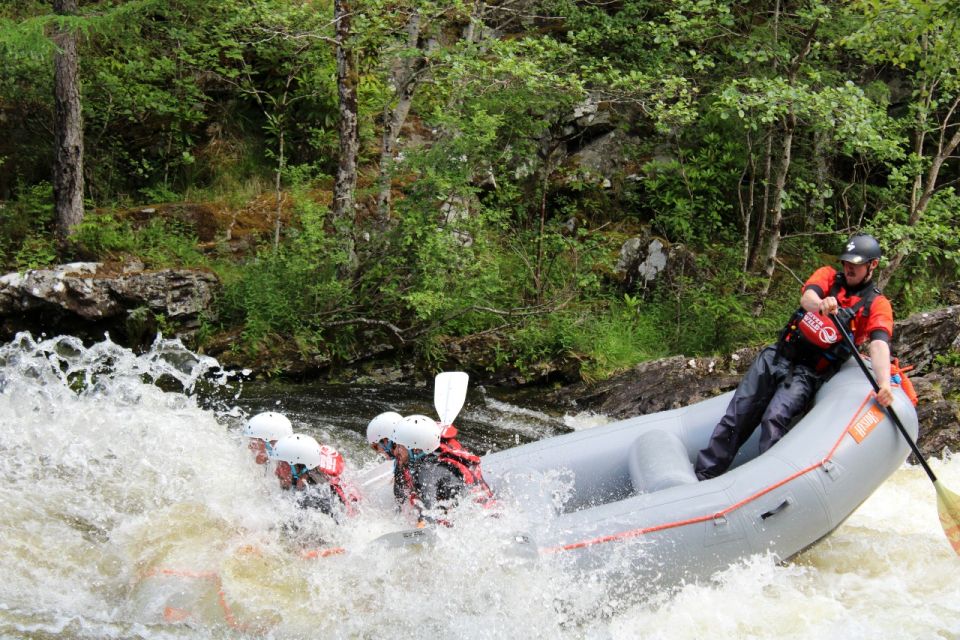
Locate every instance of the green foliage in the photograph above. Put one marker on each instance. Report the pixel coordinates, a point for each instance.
(608, 338)
(933, 241)
(949, 359)
(26, 239)
(690, 195)
(611, 340)
(291, 293)
(159, 242)
(36, 252)
(931, 245)
(703, 313)
(215, 100)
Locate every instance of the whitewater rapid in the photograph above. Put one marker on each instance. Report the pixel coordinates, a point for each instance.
(130, 508)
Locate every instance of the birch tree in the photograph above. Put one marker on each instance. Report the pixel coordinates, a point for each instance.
(922, 39)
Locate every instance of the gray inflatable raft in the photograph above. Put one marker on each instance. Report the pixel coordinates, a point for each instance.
(623, 497)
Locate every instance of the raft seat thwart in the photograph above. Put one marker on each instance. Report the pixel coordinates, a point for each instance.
(658, 460)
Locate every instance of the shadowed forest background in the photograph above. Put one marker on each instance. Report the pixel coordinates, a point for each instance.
(370, 177)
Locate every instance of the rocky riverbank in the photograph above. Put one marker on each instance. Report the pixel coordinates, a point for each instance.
(132, 304)
(928, 342)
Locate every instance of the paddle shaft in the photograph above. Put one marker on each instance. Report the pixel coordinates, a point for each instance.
(876, 388)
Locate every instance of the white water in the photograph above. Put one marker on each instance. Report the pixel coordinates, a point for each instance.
(128, 511)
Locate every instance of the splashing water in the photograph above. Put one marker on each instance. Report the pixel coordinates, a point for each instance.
(133, 509)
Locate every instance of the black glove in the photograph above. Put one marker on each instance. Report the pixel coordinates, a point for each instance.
(845, 315)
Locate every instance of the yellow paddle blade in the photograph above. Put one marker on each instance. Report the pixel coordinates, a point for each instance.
(948, 506)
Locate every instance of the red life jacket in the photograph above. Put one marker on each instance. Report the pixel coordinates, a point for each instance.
(898, 375)
(813, 340)
(348, 495)
(467, 466)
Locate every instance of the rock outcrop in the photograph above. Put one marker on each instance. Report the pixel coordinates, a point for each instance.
(88, 298)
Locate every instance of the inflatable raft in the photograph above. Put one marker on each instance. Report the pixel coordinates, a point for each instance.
(623, 497)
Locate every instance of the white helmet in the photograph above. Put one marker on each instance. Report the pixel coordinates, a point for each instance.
(269, 426)
(417, 432)
(382, 426)
(301, 449)
(298, 449)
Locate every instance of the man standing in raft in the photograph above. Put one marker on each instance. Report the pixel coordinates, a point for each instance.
(785, 376)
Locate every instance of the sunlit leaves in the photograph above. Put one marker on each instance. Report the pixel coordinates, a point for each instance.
(856, 122)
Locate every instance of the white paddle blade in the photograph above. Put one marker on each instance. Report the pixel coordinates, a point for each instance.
(449, 393)
(407, 538)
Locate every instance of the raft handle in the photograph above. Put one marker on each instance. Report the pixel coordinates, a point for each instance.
(783, 505)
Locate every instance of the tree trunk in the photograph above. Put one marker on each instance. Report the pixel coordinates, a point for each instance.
(818, 203)
(757, 247)
(746, 208)
(926, 185)
(345, 185)
(278, 177)
(764, 214)
(776, 216)
(405, 78)
(68, 127)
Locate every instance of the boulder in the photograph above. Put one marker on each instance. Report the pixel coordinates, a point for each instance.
(669, 383)
(88, 298)
(919, 339)
(646, 259)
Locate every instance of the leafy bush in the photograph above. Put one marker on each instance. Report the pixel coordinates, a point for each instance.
(159, 243)
(26, 239)
(292, 291)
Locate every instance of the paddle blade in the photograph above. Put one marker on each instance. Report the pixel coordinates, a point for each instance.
(407, 538)
(449, 392)
(522, 547)
(948, 506)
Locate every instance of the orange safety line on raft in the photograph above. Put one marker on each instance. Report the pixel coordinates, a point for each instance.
(633, 533)
(201, 575)
(173, 615)
(322, 553)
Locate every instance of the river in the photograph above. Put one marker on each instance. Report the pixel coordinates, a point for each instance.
(132, 509)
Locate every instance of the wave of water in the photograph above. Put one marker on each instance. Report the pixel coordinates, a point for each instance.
(131, 508)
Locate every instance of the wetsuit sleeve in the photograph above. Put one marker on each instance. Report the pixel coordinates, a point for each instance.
(401, 486)
(820, 281)
(438, 485)
(323, 499)
(878, 325)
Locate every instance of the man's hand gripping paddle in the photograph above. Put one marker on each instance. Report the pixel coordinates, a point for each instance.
(948, 503)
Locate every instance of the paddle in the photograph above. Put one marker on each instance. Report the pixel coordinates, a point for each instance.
(407, 538)
(517, 545)
(449, 393)
(948, 503)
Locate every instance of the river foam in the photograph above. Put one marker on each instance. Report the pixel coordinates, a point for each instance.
(131, 508)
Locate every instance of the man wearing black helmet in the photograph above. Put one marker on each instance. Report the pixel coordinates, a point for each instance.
(786, 375)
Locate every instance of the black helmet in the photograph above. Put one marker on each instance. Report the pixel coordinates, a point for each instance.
(861, 248)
